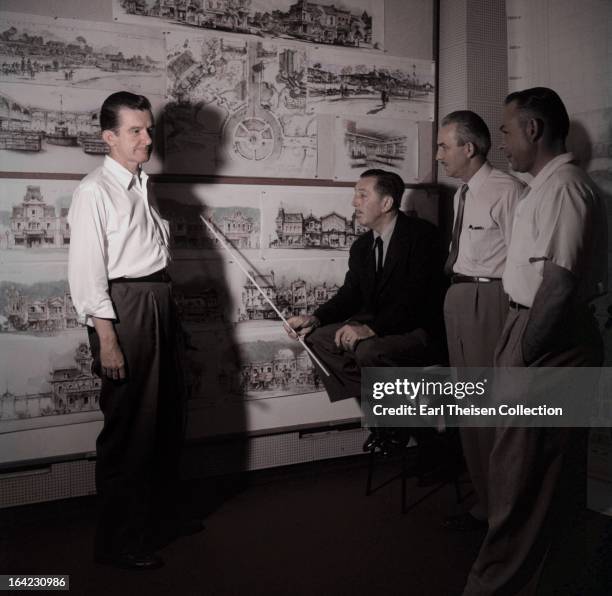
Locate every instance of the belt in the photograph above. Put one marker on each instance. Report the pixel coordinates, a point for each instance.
(516, 306)
(457, 278)
(160, 276)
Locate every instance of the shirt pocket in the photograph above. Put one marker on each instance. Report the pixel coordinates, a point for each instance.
(482, 242)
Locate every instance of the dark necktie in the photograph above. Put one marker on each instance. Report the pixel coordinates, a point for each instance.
(454, 251)
(378, 249)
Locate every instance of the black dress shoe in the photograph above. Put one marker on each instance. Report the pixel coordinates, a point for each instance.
(131, 560)
(371, 442)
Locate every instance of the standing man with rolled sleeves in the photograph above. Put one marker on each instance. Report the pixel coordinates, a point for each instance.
(121, 289)
(556, 264)
(475, 306)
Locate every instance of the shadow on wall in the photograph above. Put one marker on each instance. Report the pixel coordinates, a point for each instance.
(595, 156)
(188, 137)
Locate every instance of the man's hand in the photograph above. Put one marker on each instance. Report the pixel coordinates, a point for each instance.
(301, 325)
(349, 335)
(111, 356)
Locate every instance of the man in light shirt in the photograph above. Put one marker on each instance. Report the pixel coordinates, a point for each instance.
(556, 264)
(476, 306)
(121, 290)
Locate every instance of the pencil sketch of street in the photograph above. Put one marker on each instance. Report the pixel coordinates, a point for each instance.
(294, 287)
(256, 363)
(56, 387)
(237, 108)
(89, 55)
(348, 23)
(234, 211)
(46, 128)
(357, 85)
(372, 142)
(315, 219)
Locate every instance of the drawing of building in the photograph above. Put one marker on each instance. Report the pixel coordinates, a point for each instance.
(371, 148)
(34, 224)
(73, 389)
(24, 127)
(188, 231)
(254, 306)
(198, 305)
(231, 15)
(297, 297)
(326, 23)
(293, 230)
(284, 371)
(239, 230)
(25, 313)
(33, 56)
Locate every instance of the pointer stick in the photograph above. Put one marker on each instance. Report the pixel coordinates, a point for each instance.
(219, 237)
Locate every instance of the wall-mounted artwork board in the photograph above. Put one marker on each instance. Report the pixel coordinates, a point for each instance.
(24, 436)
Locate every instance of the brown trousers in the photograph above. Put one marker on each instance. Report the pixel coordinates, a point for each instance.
(139, 446)
(474, 314)
(537, 481)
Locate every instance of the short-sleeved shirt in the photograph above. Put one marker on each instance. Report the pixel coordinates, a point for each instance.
(487, 222)
(563, 220)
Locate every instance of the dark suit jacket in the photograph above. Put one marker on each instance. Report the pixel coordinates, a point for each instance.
(409, 293)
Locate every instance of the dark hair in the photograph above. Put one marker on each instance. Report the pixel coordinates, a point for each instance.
(471, 128)
(387, 183)
(542, 104)
(109, 113)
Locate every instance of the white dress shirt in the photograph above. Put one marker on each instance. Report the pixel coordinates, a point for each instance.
(115, 231)
(562, 219)
(490, 201)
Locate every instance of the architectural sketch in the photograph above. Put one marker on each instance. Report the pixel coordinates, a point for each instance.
(71, 389)
(344, 84)
(375, 143)
(317, 219)
(89, 55)
(237, 108)
(201, 292)
(298, 230)
(233, 209)
(40, 307)
(54, 129)
(293, 290)
(248, 364)
(352, 23)
(56, 388)
(33, 218)
(35, 224)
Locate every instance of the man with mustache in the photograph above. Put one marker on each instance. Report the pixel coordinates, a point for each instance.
(388, 311)
(475, 306)
(121, 289)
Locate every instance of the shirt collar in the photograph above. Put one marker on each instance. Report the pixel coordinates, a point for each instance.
(549, 169)
(387, 232)
(477, 180)
(123, 175)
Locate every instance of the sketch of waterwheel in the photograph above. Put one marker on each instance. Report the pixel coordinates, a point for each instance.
(254, 135)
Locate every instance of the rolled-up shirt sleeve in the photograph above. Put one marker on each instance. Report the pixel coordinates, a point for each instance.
(87, 261)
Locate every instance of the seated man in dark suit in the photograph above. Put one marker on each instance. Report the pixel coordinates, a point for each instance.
(388, 311)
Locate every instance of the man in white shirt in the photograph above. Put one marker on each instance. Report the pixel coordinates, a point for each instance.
(556, 263)
(120, 288)
(475, 306)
